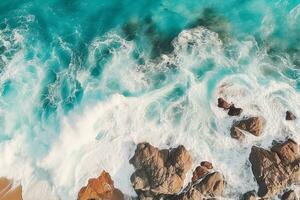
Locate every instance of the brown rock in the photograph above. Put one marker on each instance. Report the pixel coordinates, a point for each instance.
(101, 188)
(159, 172)
(236, 133)
(8, 192)
(271, 173)
(253, 125)
(287, 151)
(199, 173)
(289, 195)
(289, 116)
(233, 111)
(206, 164)
(210, 187)
(223, 104)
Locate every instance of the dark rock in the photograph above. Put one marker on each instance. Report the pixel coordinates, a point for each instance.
(289, 195)
(233, 111)
(289, 116)
(249, 196)
(253, 125)
(223, 104)
(159, 172)
(271, 172)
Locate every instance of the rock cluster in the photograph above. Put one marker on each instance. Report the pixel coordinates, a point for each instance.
(232, 110)
(253, 125)
(101, 188)
(161, 173)
(274, 170)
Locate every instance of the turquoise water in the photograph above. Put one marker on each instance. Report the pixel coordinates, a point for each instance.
(60, 60)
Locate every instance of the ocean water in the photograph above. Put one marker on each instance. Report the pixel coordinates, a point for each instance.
(82, 82)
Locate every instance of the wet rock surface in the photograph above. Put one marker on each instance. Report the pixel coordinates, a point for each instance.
(234, 111)
(289, 195)
(253, 125)
(210, 187)
(276, 169)
(201, 171)
(159, 172)
(101, 188)
(223, 104)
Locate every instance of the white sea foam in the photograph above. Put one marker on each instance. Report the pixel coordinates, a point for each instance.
(103, 135)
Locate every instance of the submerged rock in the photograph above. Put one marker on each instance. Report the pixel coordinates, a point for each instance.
(223, 104)
(253, 125)
(233, 111)
(289, 195)
(289, 116)
(101, 188)
(249, 196)
(159, 172)
(274, 171)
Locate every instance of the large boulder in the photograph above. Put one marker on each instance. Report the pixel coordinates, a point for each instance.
(210, 187)
(101, 188)
(272, 171)
(159, 172)
(253, 125)
(287, 151)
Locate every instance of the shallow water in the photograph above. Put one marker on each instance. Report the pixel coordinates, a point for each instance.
(82, 82)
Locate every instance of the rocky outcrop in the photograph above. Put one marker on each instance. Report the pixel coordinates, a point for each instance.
(253, 125)
(276, 169)
(233, 111)
(223, 104)
(289, 116)
(101, 188)
(289, 195)
(209, 187)
(249, 196)
(159, 172)
(8, 192)
(201, 171)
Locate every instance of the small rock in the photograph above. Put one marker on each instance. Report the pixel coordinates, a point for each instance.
(289, 116)
(289, 195)
(249, 196)
(223, 104)
(101, 188)
(233, 111)
(287, 151)
(206, 164)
